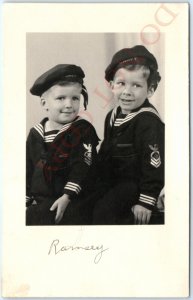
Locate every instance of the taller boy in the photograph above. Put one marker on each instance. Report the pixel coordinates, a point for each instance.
(132, 153)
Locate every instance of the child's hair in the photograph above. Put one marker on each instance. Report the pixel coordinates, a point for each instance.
(71, 82)
(153, 77)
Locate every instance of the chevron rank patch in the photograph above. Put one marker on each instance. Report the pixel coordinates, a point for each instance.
(88, 154)
(155, 156)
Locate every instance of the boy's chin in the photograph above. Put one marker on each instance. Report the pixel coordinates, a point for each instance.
(68, 119)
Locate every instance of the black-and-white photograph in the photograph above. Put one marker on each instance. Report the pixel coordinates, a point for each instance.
(96, 143)
(95, 150)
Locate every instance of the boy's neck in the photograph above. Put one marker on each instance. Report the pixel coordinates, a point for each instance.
(51, 125)
(146, 102)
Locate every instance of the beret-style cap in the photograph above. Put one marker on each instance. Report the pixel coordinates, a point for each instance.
(135, 55)
(59, 72)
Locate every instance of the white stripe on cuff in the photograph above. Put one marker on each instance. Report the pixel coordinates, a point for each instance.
(147, 199)
(73, 187)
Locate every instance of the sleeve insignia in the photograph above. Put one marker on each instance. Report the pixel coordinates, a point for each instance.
(155, 159)
(88, 154)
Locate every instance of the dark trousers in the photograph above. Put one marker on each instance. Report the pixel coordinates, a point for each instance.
(78, 212)
(113, 205)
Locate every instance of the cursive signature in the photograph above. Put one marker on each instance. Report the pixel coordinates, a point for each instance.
(56, 248)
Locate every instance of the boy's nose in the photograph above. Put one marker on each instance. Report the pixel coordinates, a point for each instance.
(127, 90)
(68, 102)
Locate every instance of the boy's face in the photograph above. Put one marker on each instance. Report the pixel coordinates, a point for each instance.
(62, 103)
(130, 89)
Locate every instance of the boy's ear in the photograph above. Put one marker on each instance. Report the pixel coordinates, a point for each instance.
(151, 91)
(44, 103)
(111, 84)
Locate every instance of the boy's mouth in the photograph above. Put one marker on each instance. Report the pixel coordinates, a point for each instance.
(127, 100)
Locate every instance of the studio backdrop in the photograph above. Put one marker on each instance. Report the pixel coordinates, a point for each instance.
(92, 52)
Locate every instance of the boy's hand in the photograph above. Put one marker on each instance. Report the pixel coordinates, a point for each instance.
(60, 204)
(142, 215)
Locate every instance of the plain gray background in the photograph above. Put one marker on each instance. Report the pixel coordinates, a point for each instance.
(93, 52)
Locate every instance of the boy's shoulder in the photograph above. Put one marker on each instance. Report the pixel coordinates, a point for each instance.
(148, 118)
(80, 127)
(38, 128)
(146, 113)
(83, 124)
(80, 122)
(84, 127)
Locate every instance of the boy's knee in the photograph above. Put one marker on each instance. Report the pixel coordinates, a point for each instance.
(103, 214)
(31, 215)
(40, 214)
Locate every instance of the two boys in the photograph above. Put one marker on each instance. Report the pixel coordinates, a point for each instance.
(129, 173)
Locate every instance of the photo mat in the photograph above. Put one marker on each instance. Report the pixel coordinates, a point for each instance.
(130, 256)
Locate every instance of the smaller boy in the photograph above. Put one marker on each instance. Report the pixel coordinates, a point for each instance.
(131, 158)
(60, 150)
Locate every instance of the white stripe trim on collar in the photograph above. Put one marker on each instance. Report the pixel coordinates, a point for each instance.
(113, 115)
(40, 129)
(50, 138)
(130, 116)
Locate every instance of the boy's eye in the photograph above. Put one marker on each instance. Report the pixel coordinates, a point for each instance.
(120, 83)
(60, 98)
(136, 85)
(75, 98)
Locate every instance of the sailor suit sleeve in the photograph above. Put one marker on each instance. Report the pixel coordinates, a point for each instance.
(81, 158)
(29, 170)
(150, 146)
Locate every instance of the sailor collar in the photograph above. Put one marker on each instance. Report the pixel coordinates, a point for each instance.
(40, 128)
(146, 107)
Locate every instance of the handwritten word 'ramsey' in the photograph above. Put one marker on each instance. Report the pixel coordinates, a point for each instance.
(55, 249)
